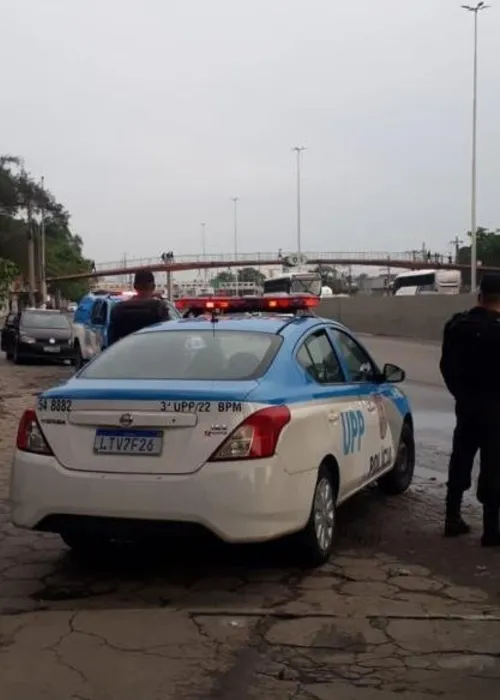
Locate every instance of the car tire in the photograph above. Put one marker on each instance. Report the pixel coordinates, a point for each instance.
(315, 542)
(399, 479)
(9, 356)
(84, 544)
(16, 357)
(78, 362)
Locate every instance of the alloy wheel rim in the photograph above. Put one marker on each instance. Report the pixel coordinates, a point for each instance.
(324, 514)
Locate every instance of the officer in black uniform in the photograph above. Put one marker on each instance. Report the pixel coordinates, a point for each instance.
(470, 367)
(142, 310)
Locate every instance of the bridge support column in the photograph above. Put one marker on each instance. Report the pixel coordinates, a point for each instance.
(169, 284)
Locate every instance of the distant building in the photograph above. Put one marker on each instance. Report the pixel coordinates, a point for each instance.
(378, 285)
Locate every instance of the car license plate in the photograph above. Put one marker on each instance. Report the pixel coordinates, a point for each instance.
(139, 443)
(51, 348)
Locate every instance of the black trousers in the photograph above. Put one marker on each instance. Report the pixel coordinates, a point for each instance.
(477, 428)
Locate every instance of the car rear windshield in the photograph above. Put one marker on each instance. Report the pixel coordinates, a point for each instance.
(43, 320)
(182, 354)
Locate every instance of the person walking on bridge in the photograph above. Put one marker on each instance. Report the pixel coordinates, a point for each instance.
(143, 309)
(469, 366)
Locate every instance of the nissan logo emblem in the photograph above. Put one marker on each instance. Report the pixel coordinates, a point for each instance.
(126, 420)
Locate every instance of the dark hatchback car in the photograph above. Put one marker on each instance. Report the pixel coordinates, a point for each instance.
(38, 334)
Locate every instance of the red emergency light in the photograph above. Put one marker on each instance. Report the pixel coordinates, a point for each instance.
(278, 304)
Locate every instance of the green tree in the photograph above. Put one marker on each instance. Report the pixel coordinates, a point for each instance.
(488, 253)
(488, 248)
(8, 273)
(22, 201)
(224, 277)
(331, 277)
(251, 274)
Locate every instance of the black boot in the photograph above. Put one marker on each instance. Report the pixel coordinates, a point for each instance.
(491, 526)
(455, 525)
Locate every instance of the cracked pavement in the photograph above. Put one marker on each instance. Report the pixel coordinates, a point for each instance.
(398, 609)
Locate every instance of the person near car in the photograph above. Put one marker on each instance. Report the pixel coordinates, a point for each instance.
(469, 366)
(142, 310)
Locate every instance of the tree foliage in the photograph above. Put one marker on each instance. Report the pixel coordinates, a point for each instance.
(246, 274)
(22, 202)
(337, 280)
(8, 273)
(488, 253)
(251, 274)
(488, 248)
(224, 277)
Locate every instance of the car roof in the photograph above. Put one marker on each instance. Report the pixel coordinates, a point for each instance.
(41, 311)
(285, 325)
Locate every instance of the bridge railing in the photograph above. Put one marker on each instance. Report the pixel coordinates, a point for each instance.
(264, 257)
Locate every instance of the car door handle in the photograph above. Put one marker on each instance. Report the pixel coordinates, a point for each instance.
(370, 406)
(333, 417)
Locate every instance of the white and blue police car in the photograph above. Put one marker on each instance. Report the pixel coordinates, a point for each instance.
(250, 425)
(91, 322)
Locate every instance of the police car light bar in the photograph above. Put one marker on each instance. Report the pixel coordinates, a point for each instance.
(280, 304)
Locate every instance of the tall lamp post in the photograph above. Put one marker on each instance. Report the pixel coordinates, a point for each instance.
(235, 213)
(204, 247)
(298, 150)
(475, 9)
(43, 264)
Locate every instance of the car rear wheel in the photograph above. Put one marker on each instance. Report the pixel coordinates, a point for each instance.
(316, 540)
(9, 355)
(399, 479)
(83, 543)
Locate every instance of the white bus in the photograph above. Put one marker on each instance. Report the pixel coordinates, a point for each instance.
(427, 282)
(294, 283)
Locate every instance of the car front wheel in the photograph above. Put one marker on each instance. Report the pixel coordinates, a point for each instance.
(399, 479)
(316, 540)
(16, 357)
(78, 361)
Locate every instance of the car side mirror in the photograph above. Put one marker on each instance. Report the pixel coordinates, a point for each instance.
(393, 374)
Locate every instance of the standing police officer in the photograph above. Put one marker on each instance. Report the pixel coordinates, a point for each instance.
(470, 365)
(142, 310)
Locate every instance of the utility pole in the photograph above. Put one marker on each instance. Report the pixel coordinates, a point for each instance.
(235, 203)
(475, 9)
(298, 150)
(456, 243)
(43, 267)
(31, 243)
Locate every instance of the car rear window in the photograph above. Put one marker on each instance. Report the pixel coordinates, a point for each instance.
(182, 354)
(44, 320)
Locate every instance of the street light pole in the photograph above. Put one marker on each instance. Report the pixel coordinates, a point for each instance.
(298, 150)
(204, 247)
(43, 270)
(235, 203)
(475, 9)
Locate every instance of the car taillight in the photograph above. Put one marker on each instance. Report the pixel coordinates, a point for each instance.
(256, 437)
(29, 435)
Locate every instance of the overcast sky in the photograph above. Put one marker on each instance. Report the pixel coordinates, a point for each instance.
(147, 116)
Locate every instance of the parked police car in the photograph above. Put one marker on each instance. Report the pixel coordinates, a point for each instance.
(91, 321)
(251, 427)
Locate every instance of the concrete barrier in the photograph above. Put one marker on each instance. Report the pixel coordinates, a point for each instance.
(421, 316)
